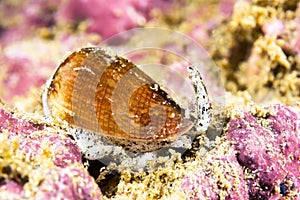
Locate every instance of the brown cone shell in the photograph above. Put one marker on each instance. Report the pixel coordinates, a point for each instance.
(111, 96)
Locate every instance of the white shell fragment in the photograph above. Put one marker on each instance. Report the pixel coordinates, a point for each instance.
(203, 107)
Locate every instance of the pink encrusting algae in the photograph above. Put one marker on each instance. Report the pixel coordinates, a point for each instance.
(62, 181)
(33, 151)
(34, 136)
(221, 178)
(98, 14)
(268, 147)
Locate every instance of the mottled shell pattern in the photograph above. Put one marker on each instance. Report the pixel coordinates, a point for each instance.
(110, 96)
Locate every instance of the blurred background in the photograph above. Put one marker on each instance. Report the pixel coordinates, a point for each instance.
(254, 43)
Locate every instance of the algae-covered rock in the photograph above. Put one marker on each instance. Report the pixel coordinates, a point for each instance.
(268, 147)
(38, 161)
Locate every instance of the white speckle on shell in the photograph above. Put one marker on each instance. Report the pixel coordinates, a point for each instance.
(85, 68)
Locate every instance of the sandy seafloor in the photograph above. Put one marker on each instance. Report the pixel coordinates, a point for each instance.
(255, 45)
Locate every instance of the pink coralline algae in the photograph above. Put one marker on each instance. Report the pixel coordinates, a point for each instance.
(221, 178)
(16, 126)
(62, 183)
(226, 7)
(50, 157)
(63, 150)
(107, 18)
(11, 188)
(103, 17)
(68, 183)
(275, 27)
(268, 147)
(21, 76)
(293, 38)
(32, 140)
(18, 20)
(26, 65)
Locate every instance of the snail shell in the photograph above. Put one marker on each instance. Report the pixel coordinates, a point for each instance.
(110, 96)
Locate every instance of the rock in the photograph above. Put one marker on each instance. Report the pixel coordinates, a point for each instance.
(69, 183)
(268, 146)
(34, 138)
(39, 161)
(221, 178)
